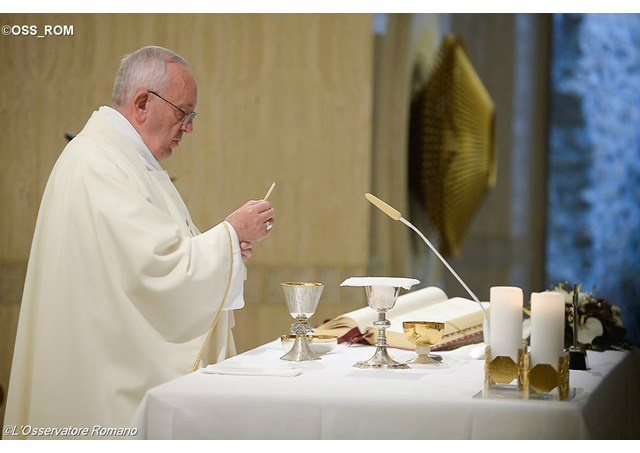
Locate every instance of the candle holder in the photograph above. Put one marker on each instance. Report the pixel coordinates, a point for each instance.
(539, 382)
(500, 371)
(545, 382)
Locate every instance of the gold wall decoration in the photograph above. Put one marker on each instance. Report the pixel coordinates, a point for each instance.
(452, 146)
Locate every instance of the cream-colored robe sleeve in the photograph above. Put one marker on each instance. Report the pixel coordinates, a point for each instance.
(165, 274)
(119, 296)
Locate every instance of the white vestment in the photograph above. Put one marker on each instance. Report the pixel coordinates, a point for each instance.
(121, 293)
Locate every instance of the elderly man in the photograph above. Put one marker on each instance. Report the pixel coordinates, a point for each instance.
(122, 291)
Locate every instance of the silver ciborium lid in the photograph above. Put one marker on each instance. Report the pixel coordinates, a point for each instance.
(302, 300)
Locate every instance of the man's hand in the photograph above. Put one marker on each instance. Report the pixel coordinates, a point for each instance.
(246, 251)
(252, 220)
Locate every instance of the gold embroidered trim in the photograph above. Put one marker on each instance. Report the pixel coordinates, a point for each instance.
(224, 299)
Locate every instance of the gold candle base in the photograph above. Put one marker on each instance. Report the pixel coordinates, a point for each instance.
(545, 382)
(502, 370)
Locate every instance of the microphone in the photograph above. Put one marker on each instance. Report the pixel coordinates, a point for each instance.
(395, 215)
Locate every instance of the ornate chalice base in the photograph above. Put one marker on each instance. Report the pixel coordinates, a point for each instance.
(424, 334)
(425, 357)
(302, 300)
(301, 350)
(381, 299)
(381, 359)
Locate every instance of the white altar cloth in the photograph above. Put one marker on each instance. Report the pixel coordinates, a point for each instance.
(333, 400)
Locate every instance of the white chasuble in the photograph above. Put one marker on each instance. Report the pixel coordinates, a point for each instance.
(122, 292)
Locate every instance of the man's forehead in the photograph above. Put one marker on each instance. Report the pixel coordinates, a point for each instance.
(182, 83)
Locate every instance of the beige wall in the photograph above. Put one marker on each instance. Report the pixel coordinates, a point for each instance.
(285, 98)
(404, 55)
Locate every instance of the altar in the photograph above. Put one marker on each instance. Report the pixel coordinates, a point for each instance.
(332, 400)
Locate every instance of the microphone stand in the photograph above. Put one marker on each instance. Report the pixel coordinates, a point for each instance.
(477, 352)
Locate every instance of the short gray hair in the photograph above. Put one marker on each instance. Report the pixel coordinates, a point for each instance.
(143, 69)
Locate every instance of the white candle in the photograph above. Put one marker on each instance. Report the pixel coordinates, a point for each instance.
(506, 321)
(547, 328)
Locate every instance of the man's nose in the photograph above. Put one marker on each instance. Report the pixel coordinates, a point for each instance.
(188, 128)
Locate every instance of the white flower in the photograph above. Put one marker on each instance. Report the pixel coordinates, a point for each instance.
(583, 298)
(615, 311)
(568, 297)
(588, 331)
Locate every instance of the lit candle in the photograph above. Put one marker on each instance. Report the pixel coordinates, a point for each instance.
(547, 328)
(506, 321)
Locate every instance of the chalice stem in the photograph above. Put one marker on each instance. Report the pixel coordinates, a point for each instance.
(382, 325)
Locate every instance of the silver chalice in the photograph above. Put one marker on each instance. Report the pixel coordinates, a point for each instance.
(302, 300)
(382, 293)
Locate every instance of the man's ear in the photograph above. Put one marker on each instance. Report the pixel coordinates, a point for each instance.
(141, 106)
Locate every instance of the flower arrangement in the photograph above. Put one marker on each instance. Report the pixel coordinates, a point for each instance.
(599, 324)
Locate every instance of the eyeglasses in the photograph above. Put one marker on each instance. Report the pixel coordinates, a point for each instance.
(186, 118)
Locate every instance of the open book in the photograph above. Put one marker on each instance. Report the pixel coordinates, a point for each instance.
(462, 317)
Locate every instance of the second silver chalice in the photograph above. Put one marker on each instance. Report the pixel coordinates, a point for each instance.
(302, 300)
(382, 293)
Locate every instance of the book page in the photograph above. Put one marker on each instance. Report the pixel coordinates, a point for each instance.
(457, 314)
(416, 301)
(406, 303)
(461, 317)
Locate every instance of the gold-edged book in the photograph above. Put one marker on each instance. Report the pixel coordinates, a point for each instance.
(462, 317)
